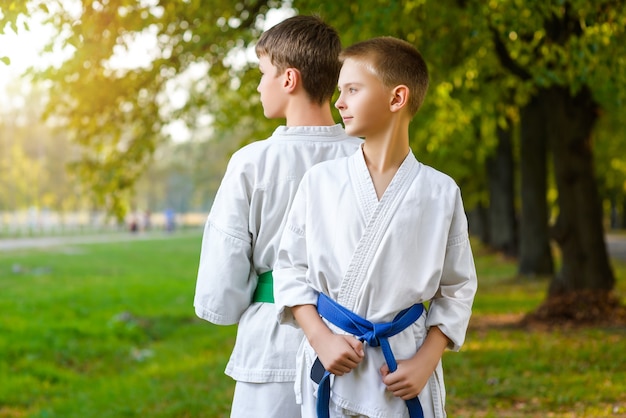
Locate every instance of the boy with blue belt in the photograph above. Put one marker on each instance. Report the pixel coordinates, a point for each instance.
(368, 240)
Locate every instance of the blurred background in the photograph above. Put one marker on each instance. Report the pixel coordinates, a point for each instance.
(118, 117)
(122, 113)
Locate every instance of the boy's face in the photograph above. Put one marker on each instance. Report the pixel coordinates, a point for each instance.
(363, 100)
(270, 88)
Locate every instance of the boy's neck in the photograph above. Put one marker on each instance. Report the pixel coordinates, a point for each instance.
(384, 154)
(305, 113)
(387, 150)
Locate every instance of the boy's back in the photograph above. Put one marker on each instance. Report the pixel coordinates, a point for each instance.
(240, 243)
(298, 60)
(244, 226)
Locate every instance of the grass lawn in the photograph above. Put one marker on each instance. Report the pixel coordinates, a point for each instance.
(504, 370)
(108, 330)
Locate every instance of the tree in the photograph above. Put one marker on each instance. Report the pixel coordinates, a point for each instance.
(501, 172)
(609, 151)
(535, 256)
(488, 61)
(11, 11)
(117, 114)
(33, 159)
(561, 67)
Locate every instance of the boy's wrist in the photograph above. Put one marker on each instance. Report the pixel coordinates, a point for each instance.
(318, 335)
(314, 327)
(430, 353)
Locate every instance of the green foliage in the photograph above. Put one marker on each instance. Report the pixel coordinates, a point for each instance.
(609, 156)
(33, 160)
(108, 330)
(10, 13)
(118, 114)
(485, 57)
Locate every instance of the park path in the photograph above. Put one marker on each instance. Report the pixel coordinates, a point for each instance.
(616, 243)
(12, 244)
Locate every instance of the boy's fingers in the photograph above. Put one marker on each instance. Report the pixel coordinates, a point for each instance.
(356, 345)
(344, 366)
(390, 379)
(351, 364)
(384, 370)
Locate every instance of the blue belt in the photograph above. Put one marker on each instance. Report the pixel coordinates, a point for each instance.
(374, 334)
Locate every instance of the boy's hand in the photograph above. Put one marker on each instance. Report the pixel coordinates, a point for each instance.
(339, 354)
(412, 375)
(408, 380)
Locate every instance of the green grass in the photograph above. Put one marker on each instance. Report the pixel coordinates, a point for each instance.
(504, 370)
(108, 330)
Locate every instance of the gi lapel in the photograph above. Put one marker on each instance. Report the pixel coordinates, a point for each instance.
(379, 214)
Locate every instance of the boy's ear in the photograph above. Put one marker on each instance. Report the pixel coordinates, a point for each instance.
(399, 98)
(291, 79)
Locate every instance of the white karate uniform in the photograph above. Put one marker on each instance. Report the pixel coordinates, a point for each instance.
(240, 242)
(377, 258)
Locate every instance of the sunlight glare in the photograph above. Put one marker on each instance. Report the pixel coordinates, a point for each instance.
(24, 49)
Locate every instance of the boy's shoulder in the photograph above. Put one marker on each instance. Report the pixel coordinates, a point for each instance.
(251, 148)
(333, 167)
(255, 150)
(436, 173)
(437, 178)
(293, 137)
(286, 147)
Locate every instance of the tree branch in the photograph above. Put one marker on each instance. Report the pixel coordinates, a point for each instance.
(505, 58)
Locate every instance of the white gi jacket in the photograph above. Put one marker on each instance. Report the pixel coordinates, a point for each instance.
(241, 239)
(377, 258)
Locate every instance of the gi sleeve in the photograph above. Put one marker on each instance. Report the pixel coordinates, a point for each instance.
(451, 307)
(226, 278)
(290, 270)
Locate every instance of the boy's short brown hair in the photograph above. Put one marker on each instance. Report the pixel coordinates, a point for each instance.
(395, 62)
(309, 45)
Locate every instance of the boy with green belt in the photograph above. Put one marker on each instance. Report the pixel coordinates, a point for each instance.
(298, 60)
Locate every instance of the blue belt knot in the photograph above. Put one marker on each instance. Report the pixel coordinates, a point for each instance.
(372, 337)
(376, 335)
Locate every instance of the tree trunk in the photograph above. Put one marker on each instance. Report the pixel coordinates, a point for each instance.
(478, 224)
(500, 169)
(578, 230)
(535, 257)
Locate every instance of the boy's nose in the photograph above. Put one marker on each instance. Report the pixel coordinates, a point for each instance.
(339, 104)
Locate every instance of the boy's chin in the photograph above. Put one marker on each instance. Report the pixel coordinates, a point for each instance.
(352, 131)
(269, 114)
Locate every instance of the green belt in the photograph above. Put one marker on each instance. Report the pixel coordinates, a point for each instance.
(264, 291)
